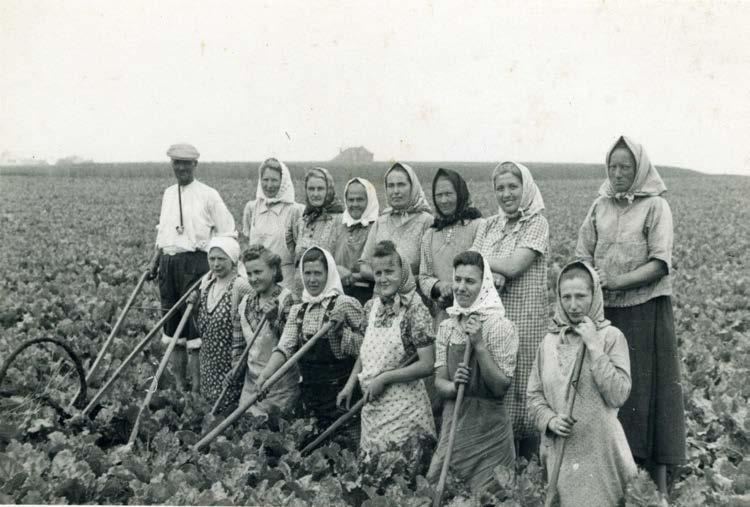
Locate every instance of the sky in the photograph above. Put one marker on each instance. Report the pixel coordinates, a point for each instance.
(408, 79)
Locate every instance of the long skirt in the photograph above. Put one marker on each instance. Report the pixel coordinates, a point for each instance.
(653, 417)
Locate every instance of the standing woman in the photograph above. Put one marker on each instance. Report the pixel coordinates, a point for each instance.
(221, 290)
(404, 221)
(361, 212)
(273, 301)
(267, 218)
(515, 242)
(452, 232)
(319, 222)
(627, 235)
(397, 326)
(484, 433)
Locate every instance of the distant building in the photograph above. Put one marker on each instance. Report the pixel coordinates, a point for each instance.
(356, 155)
(10, 158)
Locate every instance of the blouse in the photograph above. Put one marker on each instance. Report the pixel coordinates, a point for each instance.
(438, 250)
(267, 225)
(405, 231)
(416, 326)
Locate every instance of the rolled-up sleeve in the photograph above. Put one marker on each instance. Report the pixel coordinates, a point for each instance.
(501, 339)
(659, 233)
(535, 235)
(349, 311)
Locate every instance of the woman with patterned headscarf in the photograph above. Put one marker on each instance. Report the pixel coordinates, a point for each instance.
(627, 236)
(484, 433)
(319, 222)
(515, 243)
(362, 210)
(267, 218)
(404, 221)
(452, 232)
(397, 325)
(597, 463)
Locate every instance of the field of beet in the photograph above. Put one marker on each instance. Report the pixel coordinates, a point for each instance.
(74, 245)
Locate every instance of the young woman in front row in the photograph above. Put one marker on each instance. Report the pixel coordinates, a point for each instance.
(398, 325)
(325, 368)
(484, 431)
(269, 299)
(597, 463)
(627, 235)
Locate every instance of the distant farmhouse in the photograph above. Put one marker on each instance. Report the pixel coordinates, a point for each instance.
(356, 155)
(10, 158)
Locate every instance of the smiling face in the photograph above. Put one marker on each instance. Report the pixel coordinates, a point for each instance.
(270, 181)
(445, 196)
(387, 273)
(356, 199)
(508, 192)
(398, 189)
(260, 275)
(219, 263)
(314, 275)
(621, 170)
(467, 282)
(184, 170)
(575, 298)
(316, 191)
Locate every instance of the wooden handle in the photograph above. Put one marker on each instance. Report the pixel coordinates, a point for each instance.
(452, 435)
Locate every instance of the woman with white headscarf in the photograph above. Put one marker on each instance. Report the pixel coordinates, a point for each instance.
(267, 218)
(484, 433)
(362, 210)
(627, 236)
(515, 243)
(221, 289)
(404, 221)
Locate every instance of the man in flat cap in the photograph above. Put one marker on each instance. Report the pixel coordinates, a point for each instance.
(191, 214)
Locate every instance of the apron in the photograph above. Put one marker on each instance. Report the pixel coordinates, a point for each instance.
(484, 433)
(285, 391)
(404, 408)
(323, 375)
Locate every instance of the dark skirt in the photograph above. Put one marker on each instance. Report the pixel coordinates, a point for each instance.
(653, 417)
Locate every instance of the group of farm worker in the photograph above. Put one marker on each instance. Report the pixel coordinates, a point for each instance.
(409, 283)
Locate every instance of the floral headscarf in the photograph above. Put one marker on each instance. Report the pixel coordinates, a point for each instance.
(487, 302)
(286, 189)
(561, 321)
(647, 181)
(371, 210)
(417, 201)
(333, 285)
(531, 198)
(390, 306)
(464, 209)
(330, 204)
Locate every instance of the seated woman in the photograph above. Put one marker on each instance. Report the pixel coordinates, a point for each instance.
(404, 221)
(597, 462)
(268, 299)
(221, 289)
(361, 211)
(325, 368)
(318, 224)
(451, 233)
(398, 325)
(484, 432)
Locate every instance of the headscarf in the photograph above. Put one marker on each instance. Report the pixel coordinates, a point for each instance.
(231, 249)
(531, 198)
(370, 214)
(487, 302)
(417, 201)
(647, 181)
(333, 285)
(561, 321)
(407, 287)
(464, 209)
(286, 189)
(330, 204)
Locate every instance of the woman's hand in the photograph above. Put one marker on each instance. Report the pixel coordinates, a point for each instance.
(375, 389)
(345, 396)
(499, 281)
(346, 275)
(269, 307)
(605, 280)
(561, 425)
(445, 289)
(473, 328)
(462, 376)
(591, 337)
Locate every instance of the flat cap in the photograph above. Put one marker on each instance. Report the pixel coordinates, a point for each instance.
(183, 151)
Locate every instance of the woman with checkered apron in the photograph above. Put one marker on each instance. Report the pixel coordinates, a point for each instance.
(515, 242)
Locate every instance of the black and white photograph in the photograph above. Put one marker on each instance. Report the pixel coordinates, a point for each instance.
(375, 254)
